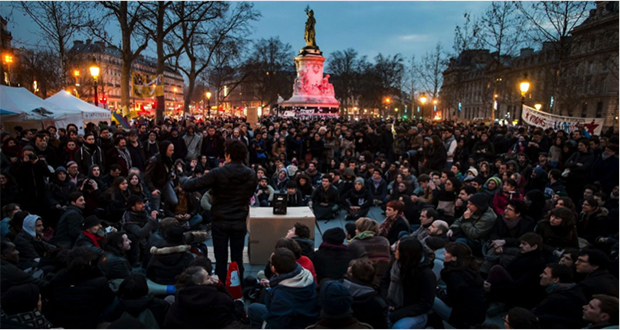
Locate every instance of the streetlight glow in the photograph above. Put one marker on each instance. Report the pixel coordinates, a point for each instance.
(538, 106)
(423, 99)
(94, 70)
(524, 86)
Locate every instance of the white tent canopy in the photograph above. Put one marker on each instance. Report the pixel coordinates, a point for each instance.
(89, 113)
(18, 101)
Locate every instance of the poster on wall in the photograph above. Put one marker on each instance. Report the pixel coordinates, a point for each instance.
(531, 116)
(147, 85)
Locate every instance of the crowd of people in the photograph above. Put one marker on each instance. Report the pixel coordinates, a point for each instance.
(106, 226)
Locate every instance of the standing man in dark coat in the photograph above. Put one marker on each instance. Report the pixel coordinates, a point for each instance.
(232, 186)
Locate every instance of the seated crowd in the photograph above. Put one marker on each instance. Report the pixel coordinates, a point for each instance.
(477, 221)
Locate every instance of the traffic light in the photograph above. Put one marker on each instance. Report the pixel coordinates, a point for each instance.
(103, 100)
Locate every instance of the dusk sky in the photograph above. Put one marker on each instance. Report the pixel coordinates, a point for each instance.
(409, 28)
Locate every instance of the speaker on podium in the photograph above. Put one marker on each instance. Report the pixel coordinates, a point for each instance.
(279, 203)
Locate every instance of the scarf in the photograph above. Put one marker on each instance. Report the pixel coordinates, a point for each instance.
(386, 226)
(511, 224)
(123, 152)
(605, 157)
(376, 182)
(364, 235)
(93, 238)
(395, 296)
(88, 146)
(311, 173)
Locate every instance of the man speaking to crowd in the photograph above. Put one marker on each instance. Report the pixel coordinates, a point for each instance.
(232, 187)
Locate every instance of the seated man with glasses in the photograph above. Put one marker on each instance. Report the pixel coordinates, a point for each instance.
(598, 280)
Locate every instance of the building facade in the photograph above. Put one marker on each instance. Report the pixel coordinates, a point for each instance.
(584, 83)
(109, 80)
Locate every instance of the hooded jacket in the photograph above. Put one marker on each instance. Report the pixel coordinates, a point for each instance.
(58, 191)
(292, 300)
(368, 306)
(331, 261)
(69, 227)
(167, 262)
(465, 294)
(200, 307)
(158, 169)
(232, 187)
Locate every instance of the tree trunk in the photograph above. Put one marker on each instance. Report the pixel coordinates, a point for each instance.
(161, 64)
(191, 77)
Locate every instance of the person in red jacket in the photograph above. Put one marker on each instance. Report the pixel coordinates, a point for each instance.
(509, 191)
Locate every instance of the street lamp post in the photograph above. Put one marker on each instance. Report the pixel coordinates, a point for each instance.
(524, 86)
(423, 99)
(94, 71)
(387, 107)
(8, 59)
(208, 94)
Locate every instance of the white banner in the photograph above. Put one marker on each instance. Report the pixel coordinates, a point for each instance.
(545, 120)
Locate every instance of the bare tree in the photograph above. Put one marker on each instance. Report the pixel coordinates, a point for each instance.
(466, 36)
(58, 22)
(39, 65)
(128, 15)
(343, 67)
(551, 22)
(203, 39)
(430, 71)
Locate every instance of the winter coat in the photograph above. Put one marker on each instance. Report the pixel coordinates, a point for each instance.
(465, 294)
(11, 276)
(212, 146)
(361, 198)
(557, 237)
(501, 198)
(58, 192)
(591, 226)
(478, 226)
(401, 224)
(307, 246)
(487, 150)
(84, 240)
(368, 306)
(599, 281)
(295, 200)
(331, 261)
(525, 271)
(114, 266)
(167, 262)
(180, 150)
(69, 227)
(232, 187)
(292, 300)
(377, 249)
(157, 173)
(86, 157)
(501, 231)
(606, 172)
(331, 196)
(30, 248)
(77, 299)
(562, 308)
(30, 179)
(377, 192)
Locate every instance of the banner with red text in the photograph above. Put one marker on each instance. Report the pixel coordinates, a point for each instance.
(531, 116)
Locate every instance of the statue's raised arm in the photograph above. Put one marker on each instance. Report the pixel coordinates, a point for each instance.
(310, 34)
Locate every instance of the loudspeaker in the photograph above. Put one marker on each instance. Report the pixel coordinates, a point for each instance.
(279, 203)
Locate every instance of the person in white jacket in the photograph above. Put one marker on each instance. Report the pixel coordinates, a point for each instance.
(449, 142)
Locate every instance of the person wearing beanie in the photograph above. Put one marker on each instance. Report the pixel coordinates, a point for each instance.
(29, 243)
(475, 225)
(294, 196)
(264, 192)
(92, 235)
(151, 145)
(472, 171)
(180, 150)
(357, 201)
(377, 186)
(171, 259)
(332, 258)
(21, 308)
(492, 186)
(335, 300)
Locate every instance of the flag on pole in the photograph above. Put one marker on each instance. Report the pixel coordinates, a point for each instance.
(120, 119)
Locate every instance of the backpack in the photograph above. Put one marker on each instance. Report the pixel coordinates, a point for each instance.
(146, 317)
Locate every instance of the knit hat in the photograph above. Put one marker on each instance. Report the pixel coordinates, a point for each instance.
(498, 182)
(469, 178)
(133, 199)
(60, 169)
(91, 221)
(335, 300)
(335, 236)
(360, 180)
(480, 200)
(71, 163)
(473, 171)
(540, 172)
(20, 299)
(174, 234)
(29, 224)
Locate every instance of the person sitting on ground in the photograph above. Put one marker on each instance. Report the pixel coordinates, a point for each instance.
(599, 280)
(292, 302)
(377, 186)
(507, 193)
(520, 318)
(503, 244)
(332, 258)
(325, 200)
(367, 242)
(395, 222)
(30, 244)
(10, 275)
(21, 307)
(463, 302)
(558, 232)
(508, 284)
(114, 264)
(409, 286)
(368, 306)
(357, 201)
(427, 216)
(134, 301)
(294, 196)
(335, 300)
(593, 221)
(476, 223)
(300, 233)
(171, 259)
(92, 235)
(187, 209)
(69, 226)
(264, 192)
(561, 309)
(601, 312)
(198, 303)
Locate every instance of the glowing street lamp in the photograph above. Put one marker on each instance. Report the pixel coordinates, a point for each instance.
(537, 106)
(208, 95)
(8, 59)
(94, 72)
(524, 86)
